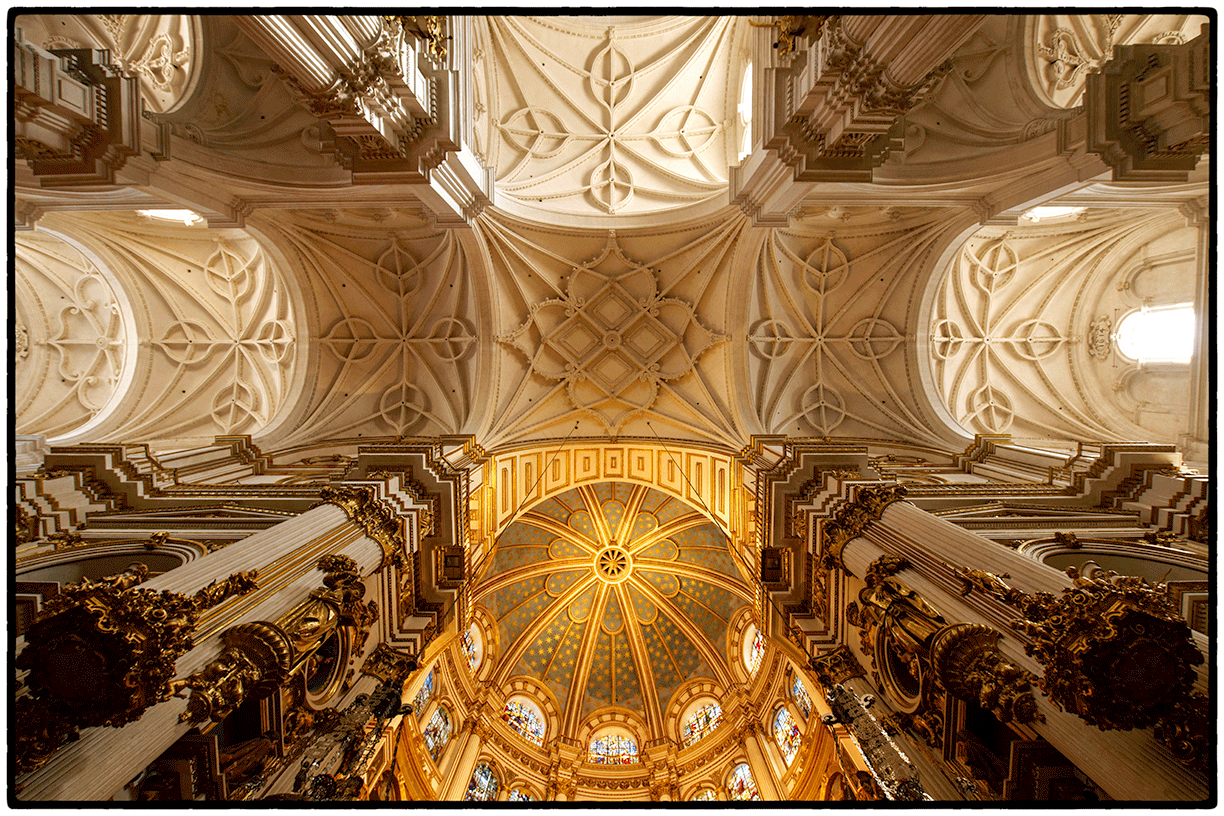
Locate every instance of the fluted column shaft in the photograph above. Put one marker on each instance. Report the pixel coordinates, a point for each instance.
(461, 771)
(104, 759)
(1128, 765)
(766, 785)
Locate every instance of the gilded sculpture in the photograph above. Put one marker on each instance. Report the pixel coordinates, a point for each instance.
(102, 652)
(260, 655)
(1117, 653)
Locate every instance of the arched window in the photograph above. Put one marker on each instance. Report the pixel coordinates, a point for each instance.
(786, 733)
(705, 795)
(526, 719)
(437, 732)
(745, 111)
(1161, 335)
(613, 749)
(700, 723)
(754, 649)
(425, 694)
(799, 693)
(741, 787)
(483, 787)
(470, 640)
(517, 795)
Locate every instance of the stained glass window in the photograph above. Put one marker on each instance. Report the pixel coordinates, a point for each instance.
(801, 698)
(517, 795)
(425, 694)
(752, 657)
(701, 723)
(742, 787)
(437, 732)
(613, 749)
(525, 719)
(706, 795)
(786, 733)
(470, 640)
(483, 787)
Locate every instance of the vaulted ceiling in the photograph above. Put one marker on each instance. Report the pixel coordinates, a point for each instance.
(612, 595)
(623, 280)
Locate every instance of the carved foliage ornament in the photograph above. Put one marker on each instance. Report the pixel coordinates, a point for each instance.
(836, 666)
(386, 663)
(379, 521)
(1116, 653)
(259, 655)
(852, 519)
(102, 653)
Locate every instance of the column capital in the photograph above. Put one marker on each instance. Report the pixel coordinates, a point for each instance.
(375, 516)
(836, 666)
(852, 519)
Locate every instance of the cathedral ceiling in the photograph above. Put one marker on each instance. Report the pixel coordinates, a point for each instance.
(216, 322)
(612, 595)
(610, 289)
(1021, 337)
(584, 118)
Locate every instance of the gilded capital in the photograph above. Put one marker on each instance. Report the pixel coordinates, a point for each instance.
(851, 519)
(376, 518)
(836, 666)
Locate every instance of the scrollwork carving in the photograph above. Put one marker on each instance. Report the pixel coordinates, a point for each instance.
(967, 661)
(102, 653)
(261, 654)
(1117, 653)
(852, 519)
(379, 521)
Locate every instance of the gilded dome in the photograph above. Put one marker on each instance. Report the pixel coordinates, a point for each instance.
(612, 596)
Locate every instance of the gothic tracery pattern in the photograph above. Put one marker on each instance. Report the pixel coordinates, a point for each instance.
(595, 127)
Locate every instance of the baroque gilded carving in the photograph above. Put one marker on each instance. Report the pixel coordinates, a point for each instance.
(385, 662)
(836, 666)
(103, 652)
(852, 519)
(1117, 653)
(259, 655)
(362, 504)
(967, 661)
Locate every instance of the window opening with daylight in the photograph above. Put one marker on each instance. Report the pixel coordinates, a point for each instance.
(425, 694)
(470, 640)
(517, 795)
(613, 749)
(801, 698)
(524, 719)
(786, 733)
(437, 732)
(700, 723)
(483, 787)
(706, 795)
(755, 651)
(1161, 335)
(741, 786)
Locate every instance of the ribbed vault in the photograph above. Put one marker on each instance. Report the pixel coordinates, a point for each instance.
(612, 595)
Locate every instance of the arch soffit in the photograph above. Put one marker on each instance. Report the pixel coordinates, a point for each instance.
(703, 479)
(135, 325)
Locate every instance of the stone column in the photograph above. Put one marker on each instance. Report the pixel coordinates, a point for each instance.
(932, 779)
(1128, 765)
(767, 786)
(465, 763)
(104, 759)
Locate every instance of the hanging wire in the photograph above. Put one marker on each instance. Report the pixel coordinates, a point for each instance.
(470, 579)
(752, 575)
